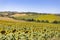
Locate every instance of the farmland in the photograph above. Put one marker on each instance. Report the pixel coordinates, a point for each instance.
(40, 17)
(26, 29)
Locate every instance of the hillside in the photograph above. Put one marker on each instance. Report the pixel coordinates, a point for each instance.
(37, 17)
(29, 26)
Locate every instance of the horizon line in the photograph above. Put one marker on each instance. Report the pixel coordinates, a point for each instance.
(31, 11)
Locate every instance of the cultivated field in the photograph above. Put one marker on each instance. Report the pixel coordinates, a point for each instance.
(29, 27)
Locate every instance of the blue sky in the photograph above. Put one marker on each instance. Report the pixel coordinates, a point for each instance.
(42, 6)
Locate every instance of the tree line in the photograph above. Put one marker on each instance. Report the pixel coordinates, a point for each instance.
(42, 21)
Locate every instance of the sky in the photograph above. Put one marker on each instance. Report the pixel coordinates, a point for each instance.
(41, 6)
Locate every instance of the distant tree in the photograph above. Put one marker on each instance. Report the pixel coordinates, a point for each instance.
(42, 21)
(47, 21)
(55, 21)
(29, 19)
(22, 19)
(38, 20)
(59, 21)
(2, 15)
